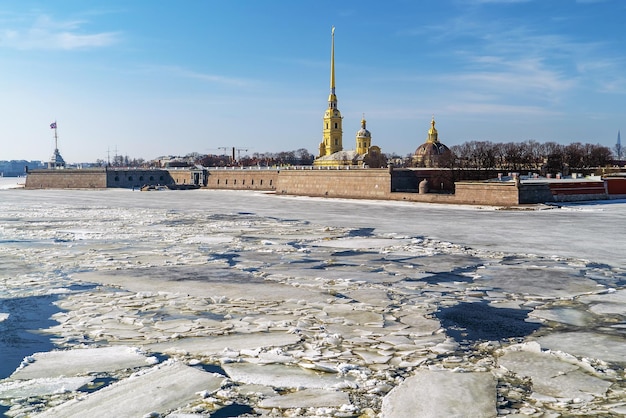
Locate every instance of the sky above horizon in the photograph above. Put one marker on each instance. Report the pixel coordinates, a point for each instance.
(153, 78)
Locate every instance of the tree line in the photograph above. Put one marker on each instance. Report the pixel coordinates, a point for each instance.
(510, 156)
(527, 155)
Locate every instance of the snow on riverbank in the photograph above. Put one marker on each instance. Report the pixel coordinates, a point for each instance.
(309, 307)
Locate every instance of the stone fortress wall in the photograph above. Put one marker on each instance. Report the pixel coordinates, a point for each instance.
(380, 184)
(100, 178)
(66, 179)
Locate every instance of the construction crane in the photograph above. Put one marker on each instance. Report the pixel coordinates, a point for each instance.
(239, 152)
(232, 152)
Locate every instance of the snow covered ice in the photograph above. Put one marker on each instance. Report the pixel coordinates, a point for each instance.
(191, 303)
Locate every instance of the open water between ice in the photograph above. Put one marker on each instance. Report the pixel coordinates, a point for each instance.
(220, 303)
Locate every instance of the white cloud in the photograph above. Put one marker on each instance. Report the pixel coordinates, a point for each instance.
(524, 76)
(48, 34)
(494, 109)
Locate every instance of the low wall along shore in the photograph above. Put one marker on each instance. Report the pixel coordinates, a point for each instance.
(381, 184)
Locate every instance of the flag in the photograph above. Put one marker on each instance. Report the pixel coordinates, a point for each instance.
(53, 125)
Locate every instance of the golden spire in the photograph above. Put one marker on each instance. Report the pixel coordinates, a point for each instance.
(332, 99)
(332, 61)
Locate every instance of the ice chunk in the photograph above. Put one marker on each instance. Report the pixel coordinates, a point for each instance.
(607, 303)
(16, 389)
(307, 398)
(568, 316)
(282, 376)
(207, 346)
(587, 344)
(442, 394)
(539, 282)
(202, 282)
(81, 361)
(419, 325)
(553, 377)
(157, 390)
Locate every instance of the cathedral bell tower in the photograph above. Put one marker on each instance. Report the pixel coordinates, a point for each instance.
(332, 131)
(363, 139)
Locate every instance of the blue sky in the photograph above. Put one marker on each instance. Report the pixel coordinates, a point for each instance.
(154, 77)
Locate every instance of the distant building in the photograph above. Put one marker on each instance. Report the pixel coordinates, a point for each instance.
(331, 152)
(431, 152)
(16, 168)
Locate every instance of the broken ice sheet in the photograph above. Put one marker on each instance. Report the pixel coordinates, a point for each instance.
(307, 398)
(160, 389)
(570, 316)
(80, 361)
(207, 346)
(203, 282)
(537, 282)
(606, 303)
(608, 348)
(19, 389)
(194, 266)
(281, 376)
(553, 377)
(442, 394)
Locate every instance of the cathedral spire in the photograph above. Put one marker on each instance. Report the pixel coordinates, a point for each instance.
(332, 132)
(332, 99)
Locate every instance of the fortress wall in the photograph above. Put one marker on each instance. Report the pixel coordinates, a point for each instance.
(535, 193)
(67, 179)
(344, 183)
(242, 179)
(353, 184)
(181, 176)
(578, 191)
(408, 179)
(136, 178)
(496, 194)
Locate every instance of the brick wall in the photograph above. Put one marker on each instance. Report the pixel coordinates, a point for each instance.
(242, 179)
(353, 184)
(344, 183)
(67, 179)
(136, 178)
(94, 178)
(576, 191)
(535, 193)
(495, 193)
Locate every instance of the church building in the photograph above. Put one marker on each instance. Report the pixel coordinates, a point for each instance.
(331, 152)
(432, 152)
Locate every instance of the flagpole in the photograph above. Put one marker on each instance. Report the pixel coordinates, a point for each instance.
(56, 138)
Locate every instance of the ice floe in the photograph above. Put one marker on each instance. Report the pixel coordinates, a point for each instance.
(442, 394)
(147, 393)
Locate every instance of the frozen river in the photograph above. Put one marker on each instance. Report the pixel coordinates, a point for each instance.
(223, 303)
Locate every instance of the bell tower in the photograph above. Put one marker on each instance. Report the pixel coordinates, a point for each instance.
(332, 131)
(363, 139)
